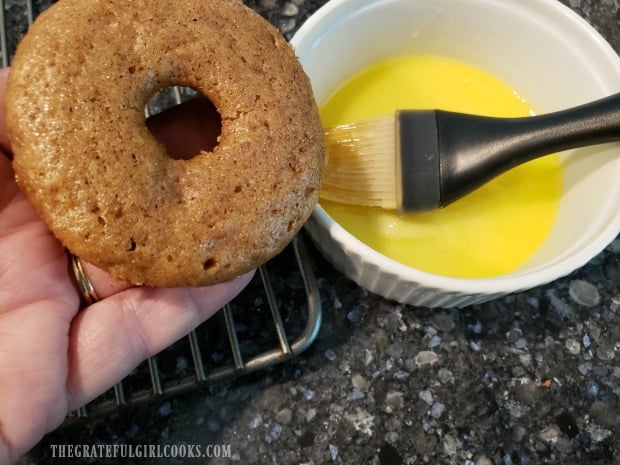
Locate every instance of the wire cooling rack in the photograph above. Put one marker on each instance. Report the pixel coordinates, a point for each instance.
(251, 333)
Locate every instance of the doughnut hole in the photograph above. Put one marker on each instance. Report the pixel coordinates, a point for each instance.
(185, 128)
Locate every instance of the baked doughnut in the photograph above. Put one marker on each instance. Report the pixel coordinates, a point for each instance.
(77, 89)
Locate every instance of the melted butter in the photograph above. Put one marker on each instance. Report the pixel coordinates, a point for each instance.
(491, 231)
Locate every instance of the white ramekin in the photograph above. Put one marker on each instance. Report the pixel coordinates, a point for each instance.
(542, 48)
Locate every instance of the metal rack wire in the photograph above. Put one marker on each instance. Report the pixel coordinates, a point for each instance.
(200, 375)
(148, 382)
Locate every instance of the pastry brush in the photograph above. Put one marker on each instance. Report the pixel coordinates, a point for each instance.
(419, 160)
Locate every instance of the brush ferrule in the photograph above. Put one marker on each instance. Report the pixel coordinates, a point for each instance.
(417, 161)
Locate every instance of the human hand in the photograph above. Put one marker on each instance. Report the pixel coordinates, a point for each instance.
(54, 358)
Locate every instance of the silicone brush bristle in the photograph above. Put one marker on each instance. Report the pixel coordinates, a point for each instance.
(362, 163)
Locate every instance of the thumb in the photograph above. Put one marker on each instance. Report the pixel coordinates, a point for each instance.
(188, 128)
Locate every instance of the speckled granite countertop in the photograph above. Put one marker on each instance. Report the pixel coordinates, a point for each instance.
(533, 378)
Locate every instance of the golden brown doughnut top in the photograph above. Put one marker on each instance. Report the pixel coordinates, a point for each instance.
(107, 189)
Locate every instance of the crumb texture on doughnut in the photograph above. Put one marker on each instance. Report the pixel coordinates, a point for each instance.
(107, 189)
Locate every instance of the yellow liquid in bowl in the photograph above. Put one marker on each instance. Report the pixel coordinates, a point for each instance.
(491, 231)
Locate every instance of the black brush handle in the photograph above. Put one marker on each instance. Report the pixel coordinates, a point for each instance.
(475, 149)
